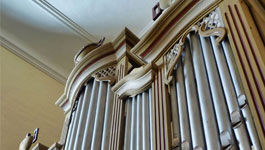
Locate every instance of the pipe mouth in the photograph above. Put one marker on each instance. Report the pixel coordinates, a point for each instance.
(237, 125)
(228, 147)
(198, 148)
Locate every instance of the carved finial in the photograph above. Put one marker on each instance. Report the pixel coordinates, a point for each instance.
(86, 49)
(29, 140)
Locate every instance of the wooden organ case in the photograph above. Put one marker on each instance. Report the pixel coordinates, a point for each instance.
(195, 80)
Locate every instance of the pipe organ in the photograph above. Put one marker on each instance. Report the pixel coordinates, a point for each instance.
(195, 80)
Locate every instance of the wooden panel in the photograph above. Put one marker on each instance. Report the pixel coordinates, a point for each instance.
(246, 44)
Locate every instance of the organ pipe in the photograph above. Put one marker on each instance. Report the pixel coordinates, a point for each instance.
(231, 98)
(190, 98)
(197, 136)
(107, 119)
(84, 109)
(182, 109)
(207, 111)
(222, 117)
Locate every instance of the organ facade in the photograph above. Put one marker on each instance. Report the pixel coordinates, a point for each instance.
(195, 80)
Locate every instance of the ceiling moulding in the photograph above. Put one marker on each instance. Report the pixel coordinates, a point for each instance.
(65, 20)
(32, 60)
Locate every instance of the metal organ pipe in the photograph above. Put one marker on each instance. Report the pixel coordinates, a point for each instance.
(231, 98)
(107, 119)
(86, 144)
(175, 114)
(151, 120)
(139, 137)
(197, 137)
(145, 121)
(225, 128)
(75, 121)
(128, 124)
(133, 125)
(207, 111)
(185, 138)
(241, 95)
(70, 131)
(84, 109)
(99, 116)
(138, 134)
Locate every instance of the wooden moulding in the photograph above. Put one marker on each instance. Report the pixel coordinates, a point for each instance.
(95, 58)
(90, 64)
(136, 82)
(246, 44)
(165, 28)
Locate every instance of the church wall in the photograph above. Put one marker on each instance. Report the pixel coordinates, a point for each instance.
(27, 102)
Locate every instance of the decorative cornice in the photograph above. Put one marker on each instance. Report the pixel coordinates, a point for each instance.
(65, 20)
(146, 29)
(126, 35)
(32, 60)
(136, 82)
(83, 71)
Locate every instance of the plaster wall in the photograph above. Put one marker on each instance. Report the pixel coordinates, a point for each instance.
(27, 102)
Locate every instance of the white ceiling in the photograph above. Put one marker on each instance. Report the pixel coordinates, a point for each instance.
(52, 31)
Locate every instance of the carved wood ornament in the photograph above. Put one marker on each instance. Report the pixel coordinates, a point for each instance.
(209, 26)
(106, 74)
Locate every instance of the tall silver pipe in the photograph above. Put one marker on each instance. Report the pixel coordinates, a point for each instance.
(231, 98)
(192, 101)
(233, 70)
(182, 109)
(145, 124)
(99, 119)
(133, 125)
(107, 119)
(240, 94)
(128, 124)
(251, 127)
(174, 114)
(222, 116)
(228, 88)
(139, 139)
(207, 111)
(70, 131)
(75, 123)
(86, 143)
(84, 109)
(151, 121)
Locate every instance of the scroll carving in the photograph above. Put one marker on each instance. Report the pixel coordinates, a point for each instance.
(209, 26)
(173, 56)
(106, 74)
(137, 81)
(219, 32)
